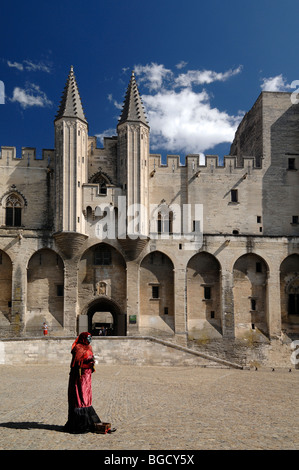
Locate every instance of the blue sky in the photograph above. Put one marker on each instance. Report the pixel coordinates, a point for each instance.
(199, 66)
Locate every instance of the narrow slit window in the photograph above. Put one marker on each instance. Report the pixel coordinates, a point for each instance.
(234, 195)
(155, 292)
(59, 290)
(258, 267)
(207, 292)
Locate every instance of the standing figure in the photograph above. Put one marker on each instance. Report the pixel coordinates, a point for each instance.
(45, 328)
(81, 415)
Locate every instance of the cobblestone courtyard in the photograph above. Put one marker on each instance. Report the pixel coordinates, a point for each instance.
(153, 408)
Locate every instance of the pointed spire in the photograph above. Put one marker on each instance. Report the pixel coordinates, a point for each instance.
(133, 109)
(70, 105)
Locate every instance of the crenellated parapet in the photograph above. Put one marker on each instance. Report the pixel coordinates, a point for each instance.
(27, 158)
(201, 163)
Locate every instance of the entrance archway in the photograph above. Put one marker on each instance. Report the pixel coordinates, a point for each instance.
(289, 294)
(105, 313)
(250, 288)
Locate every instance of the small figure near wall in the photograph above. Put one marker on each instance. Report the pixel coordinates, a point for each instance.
(45, 328)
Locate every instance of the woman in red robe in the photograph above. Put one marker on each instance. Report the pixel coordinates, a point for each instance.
(81, 415)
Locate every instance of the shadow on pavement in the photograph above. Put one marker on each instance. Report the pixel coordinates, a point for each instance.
(32, 425)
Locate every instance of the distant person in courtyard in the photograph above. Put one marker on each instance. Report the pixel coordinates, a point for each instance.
(45, 328)
(82, 417)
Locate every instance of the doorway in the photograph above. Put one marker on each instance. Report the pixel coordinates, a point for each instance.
(293, 304)
(105, 318)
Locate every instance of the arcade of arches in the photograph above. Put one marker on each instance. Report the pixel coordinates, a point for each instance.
(101, 304)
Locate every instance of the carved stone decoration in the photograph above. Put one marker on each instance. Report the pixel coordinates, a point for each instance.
(69, 243)
(131, 247)
(102, 288)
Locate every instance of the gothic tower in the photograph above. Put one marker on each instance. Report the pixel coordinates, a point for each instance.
(133, 155)
(71, 136)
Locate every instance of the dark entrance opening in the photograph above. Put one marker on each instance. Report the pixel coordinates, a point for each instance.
(105, 317)
(293, 307)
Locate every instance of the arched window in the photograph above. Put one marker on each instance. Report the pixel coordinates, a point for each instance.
(102, 255)
(13, 211)
(165, 221)
(102, 180)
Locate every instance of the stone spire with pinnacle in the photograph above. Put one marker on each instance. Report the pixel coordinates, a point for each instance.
(133, 109)
(70, 105)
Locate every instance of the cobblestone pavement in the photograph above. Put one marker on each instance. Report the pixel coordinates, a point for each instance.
(153, 408)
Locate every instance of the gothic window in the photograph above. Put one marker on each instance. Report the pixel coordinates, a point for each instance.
(159, 222)
(102, 256)
(102, 181)
(13, 211)
(165, 222)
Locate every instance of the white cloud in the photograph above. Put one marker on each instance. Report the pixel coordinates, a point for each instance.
(112, 100)
(181, 64)
(16, 65)
(29, 66)
(32, 95)
(184, 121)
(200, 77)
(40, 67)
(277, 83)
(152, 75)
(181, 119)
(106, 133)
(2, 92)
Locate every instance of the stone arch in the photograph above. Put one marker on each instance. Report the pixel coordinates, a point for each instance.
(89, 214)
(250, 273)
(102, 179)
(102, 274)
(5, 292)
(204, 295)
(45, 291)
(289, 294)
(156, 288)
(103, 312)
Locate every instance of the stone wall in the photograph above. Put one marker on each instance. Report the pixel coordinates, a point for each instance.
(145, 351)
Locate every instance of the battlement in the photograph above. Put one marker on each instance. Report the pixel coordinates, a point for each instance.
(28, 157)
(204, 163)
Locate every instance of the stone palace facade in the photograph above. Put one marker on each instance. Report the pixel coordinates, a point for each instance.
(111, 237)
